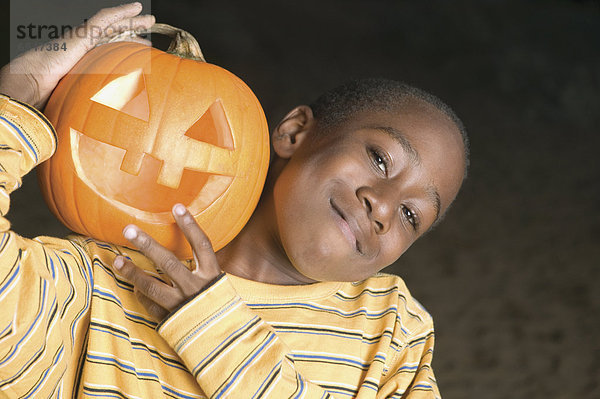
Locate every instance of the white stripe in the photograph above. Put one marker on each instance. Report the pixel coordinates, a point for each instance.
(12, 285)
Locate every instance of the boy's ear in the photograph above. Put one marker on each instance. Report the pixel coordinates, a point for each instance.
(292, 130)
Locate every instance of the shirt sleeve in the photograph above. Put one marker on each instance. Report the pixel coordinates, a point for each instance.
(45, 283)
(231, 351)
(410, 375)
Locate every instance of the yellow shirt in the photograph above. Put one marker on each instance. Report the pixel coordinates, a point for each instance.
(69, 325)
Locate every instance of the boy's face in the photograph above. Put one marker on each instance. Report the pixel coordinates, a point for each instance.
(352, 199)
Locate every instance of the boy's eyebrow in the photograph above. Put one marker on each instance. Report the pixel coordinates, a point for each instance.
(434, 197)
(403, 141)
(432, 193)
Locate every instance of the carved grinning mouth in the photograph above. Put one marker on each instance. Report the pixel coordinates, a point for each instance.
(125, 194)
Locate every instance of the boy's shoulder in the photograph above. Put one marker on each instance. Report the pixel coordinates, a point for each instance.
(386, 288)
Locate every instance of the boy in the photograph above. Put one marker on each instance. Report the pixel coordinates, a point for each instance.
(292, 307)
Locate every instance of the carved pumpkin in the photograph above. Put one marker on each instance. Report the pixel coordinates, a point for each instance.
(140, 130)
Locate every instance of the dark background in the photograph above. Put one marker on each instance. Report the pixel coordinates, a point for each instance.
(510, 276)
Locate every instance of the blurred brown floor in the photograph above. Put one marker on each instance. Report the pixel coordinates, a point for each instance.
(510, 277)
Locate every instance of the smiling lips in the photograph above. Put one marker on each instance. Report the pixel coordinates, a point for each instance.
(348, 231)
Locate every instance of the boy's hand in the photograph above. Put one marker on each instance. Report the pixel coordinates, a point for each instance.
(32, 76)
(160, 298)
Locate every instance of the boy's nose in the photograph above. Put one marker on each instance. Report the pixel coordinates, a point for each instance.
(379, 208)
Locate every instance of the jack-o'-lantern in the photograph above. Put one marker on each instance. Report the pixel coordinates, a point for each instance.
(140, 129)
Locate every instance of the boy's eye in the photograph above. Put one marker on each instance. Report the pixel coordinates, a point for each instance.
(410, 216)
(379, 159)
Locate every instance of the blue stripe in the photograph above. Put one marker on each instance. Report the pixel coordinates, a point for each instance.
(376, 389)
(45, 374)
(22, 136)
(52, 268)
(329, 390)
(301, 386)
(271, 337)
(422, 386)
(140, 348)
(5, 237)
(71, 296)
(44, 283)
(132, 316)
(336, 311)
(393, 291)
(7, 327)
(33, 356)
(340, 335)
(399, 321)
(133, 369)
(323, 357)
(379, 357)
(410, 368)
(14, 275)
(266, 379)
(221, 344)
(101, 395)
(420, 342)
(109, 272)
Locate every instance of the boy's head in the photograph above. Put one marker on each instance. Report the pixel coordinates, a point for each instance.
(361, 174)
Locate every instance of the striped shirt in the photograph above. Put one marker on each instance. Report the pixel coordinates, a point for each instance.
(71, 326)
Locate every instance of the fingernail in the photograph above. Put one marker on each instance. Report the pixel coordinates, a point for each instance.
(118, 262)
(130, 233)
(179, 209)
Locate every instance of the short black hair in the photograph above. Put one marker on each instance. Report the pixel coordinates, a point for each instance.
(376, 94)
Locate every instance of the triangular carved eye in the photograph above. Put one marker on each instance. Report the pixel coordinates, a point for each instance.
(126, 94)
(212, 127)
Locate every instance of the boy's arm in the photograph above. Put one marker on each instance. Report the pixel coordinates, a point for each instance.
(44, 286)
(231, 351)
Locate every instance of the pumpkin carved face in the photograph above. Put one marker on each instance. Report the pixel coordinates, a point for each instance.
(156, 130)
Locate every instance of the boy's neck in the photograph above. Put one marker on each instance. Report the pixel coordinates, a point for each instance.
(256, 252)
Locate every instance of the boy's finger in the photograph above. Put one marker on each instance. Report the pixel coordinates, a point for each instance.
(206, 262)
(152, 307)
(139, 23)
(108, 16)
(162, 257)
(152, 288)
(145, 42)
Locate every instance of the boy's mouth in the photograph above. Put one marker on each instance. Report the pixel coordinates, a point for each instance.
(346, 228)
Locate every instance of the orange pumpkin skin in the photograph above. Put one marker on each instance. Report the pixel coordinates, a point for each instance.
(178, 130)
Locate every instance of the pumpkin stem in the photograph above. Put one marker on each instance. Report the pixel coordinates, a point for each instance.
(183, 44)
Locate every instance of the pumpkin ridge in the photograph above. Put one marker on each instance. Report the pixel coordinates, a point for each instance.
(166, 97)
